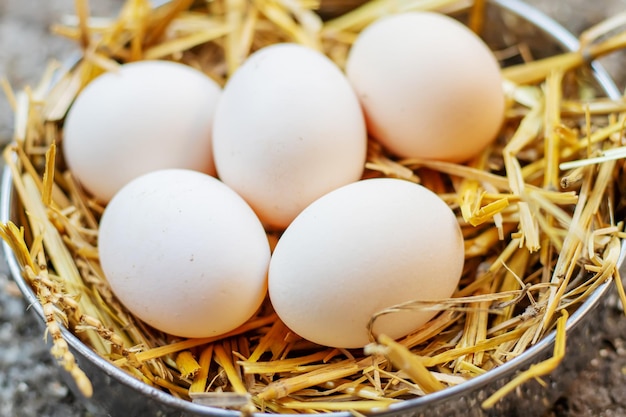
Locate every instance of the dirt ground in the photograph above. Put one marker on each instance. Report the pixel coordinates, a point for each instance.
(29, 381)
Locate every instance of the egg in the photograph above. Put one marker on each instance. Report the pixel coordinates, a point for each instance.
(184, 253)
(288, 129)
(360, 249)
(430, 88)
(147, 115)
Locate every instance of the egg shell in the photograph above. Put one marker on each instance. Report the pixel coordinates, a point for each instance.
(288, 129)
(430, 88)
(362, 248)
(184, 253)
(148, 115)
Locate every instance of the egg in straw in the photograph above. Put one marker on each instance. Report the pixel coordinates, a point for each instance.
(537, 209)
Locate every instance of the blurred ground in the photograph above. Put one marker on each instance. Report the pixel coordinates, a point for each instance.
(29, 382)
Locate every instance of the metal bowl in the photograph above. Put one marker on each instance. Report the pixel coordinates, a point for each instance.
(117, 393)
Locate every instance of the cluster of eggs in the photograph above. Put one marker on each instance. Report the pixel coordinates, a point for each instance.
(194, 176)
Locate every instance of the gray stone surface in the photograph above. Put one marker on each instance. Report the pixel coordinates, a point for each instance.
(30, 384)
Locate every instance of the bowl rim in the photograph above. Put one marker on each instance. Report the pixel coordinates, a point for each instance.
(542, 22)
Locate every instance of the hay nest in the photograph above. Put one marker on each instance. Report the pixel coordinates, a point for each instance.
(539, 210)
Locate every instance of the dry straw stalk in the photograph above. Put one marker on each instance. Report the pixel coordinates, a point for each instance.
(538, 211)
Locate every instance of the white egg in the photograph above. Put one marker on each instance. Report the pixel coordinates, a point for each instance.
(148, 115)
(184, 253)
(358, 250)
(430, 88)
(288, 129)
